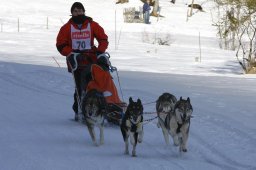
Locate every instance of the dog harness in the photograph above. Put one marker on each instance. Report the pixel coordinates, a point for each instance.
(180, 125)
(135, 126)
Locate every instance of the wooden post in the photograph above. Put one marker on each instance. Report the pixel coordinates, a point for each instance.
(18, 25)
(187, 14)
(155, 42)
(158, 14)
(115, 32)
(200, 48)
(47, 23)
(191, 11)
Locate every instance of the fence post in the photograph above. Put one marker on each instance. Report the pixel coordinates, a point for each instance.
(200, 47)
(115, 32)
(187, 14)
(191, 11)
(158, 13)
(18, 25)
(47, 23)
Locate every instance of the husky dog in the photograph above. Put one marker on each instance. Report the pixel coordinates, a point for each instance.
(131, 125)
(94, 109)
(165, 108)
(179, 123)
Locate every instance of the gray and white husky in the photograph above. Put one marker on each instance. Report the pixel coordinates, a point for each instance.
(94, 109)
(180, 123)
(165, 108)
(132, 126)
(177, 120)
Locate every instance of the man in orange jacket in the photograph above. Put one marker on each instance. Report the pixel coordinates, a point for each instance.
(77, 36)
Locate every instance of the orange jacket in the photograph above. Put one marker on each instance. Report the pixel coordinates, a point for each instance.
(64, 41)
(102, 81)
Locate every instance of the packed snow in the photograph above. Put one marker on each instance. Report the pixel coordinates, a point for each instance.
(37, 130)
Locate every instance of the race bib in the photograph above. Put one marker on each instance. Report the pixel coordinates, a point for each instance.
(81, 39)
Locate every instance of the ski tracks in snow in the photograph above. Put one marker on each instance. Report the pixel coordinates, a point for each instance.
(221, 133)
(39, 81)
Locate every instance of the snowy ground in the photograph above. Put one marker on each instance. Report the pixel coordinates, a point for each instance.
(36, 130)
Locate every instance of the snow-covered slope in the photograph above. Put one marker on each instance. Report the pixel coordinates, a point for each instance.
(131, 45)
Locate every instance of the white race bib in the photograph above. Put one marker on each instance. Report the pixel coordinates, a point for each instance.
(81, 39)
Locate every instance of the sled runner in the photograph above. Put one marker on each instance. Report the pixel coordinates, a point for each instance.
(115, 112)
(102, 81)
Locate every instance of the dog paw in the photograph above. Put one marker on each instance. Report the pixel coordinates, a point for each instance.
(140, 138)
(184, 150)
(176, 142)
(134, 154)
(76, 118)
(101, 141)
(158, 125)
(126, 152)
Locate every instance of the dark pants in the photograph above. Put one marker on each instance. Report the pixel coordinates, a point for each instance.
(82, 77)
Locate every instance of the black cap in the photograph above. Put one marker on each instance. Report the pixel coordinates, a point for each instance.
(77, 5)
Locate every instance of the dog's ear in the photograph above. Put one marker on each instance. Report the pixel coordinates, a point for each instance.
(130, 100)
(188, 99)
(139, 101)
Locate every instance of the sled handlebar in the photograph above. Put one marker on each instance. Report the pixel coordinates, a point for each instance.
(76, 64)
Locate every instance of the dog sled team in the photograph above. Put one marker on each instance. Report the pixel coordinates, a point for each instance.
(96, 96)
(173, 118)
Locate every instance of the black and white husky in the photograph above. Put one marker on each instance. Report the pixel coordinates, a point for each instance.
(131, 125)
(94, 109)
(165, 108)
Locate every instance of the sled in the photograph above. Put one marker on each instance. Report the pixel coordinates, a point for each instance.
(102, 81)
(115, 112)
(112, 112)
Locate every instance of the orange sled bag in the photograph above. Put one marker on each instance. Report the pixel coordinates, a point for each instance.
(102, 81)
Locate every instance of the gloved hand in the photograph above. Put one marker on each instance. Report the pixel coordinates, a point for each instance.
(103, 58)
(98, 53)
(74, 59)
(103, 61)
